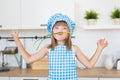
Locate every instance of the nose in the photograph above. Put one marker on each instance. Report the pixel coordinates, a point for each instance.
(60, 30)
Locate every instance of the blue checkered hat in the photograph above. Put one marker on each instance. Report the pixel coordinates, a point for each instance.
(59, 17)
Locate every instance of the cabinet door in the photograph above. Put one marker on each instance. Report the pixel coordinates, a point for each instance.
(43, 78)
(109, 79)
(9, 14)
(35, 13)
(24, 78)
(87, 78)
(4, 78)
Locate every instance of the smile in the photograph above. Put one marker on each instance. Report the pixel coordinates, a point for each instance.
(61, 33)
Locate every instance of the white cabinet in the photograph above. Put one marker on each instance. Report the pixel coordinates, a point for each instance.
(88, 79)
(35, 13)
(25, 78)
(43, 78)
(32, 14)
(109, 78)
(4, 78)
(28, 78)
(9, 14)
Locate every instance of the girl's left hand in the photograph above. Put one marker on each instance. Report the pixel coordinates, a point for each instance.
(102, 43)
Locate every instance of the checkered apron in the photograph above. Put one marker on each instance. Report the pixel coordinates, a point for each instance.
(62, 64)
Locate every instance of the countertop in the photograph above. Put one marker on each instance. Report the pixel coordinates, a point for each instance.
(94, 73)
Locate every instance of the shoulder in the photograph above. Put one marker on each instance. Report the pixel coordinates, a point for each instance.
(76, 49)
(46, 47)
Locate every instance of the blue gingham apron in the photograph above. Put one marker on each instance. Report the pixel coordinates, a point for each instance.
(62, 64)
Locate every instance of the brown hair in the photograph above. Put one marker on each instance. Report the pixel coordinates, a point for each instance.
(68, 42)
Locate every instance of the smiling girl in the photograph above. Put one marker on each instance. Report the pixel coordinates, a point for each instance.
(61, 52)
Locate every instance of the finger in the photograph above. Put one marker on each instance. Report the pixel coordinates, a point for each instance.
(106, 42)
(103, 38)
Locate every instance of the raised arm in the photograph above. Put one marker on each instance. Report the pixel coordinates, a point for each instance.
(89, 63)
(28, 58)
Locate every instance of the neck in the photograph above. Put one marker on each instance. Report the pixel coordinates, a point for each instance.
(61, 43)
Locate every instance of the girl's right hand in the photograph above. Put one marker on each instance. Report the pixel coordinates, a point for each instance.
(15, 34)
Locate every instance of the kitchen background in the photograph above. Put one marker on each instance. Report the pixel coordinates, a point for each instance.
(86, 39)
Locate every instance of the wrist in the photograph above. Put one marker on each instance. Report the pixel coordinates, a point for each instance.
(100, 48)
(16, 39)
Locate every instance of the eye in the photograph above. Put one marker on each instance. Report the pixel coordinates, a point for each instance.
(56, 27)
(65, 28)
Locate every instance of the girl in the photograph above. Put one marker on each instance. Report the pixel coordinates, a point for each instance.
(61, 52)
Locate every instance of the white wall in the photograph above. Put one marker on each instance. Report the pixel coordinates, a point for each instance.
(28, 43)
(85, 39)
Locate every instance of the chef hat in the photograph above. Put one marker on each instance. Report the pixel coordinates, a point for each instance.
(59, 17)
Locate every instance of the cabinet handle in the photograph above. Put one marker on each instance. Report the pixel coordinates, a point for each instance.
(43, 25)
(0, 25)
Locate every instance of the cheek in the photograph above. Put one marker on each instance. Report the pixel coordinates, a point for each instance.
(55, 36)
(67, 35)
(54, 31)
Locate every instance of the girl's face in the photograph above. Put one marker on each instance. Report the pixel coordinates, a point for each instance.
(62, 32)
